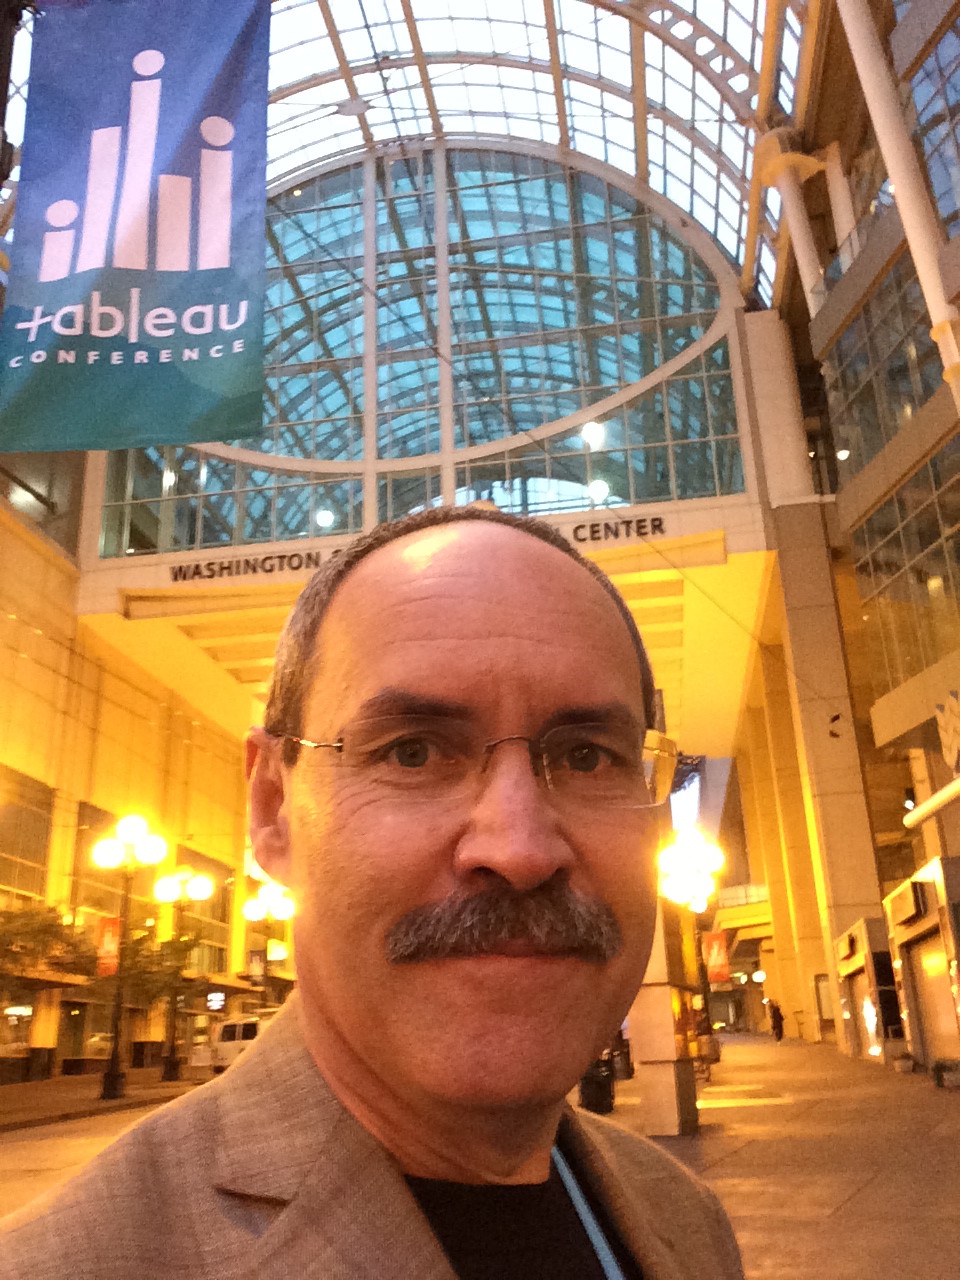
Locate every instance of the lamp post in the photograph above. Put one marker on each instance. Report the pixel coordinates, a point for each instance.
(272, 903)
(133, 845)
(179, 888)
(688, 867)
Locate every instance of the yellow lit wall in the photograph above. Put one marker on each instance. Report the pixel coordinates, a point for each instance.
(80, 717)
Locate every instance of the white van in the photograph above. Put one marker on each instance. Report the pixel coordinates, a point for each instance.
(231, 1038)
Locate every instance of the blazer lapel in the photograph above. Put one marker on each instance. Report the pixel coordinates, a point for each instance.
(651, 1241)
(330, 1200)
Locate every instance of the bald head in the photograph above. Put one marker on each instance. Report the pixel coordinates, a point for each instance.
(296, 666)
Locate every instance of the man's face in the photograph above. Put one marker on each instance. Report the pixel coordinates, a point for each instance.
(506, 635)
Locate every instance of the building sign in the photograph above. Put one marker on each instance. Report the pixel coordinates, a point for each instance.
(108, 946)
(715, 956)
(134, 313)
(611, 530)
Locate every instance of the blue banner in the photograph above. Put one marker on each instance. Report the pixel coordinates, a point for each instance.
(134, 313)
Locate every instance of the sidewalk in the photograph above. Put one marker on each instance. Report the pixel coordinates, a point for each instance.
(22, 1106)
(830, 1169)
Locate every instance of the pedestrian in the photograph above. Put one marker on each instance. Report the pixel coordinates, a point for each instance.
(451, 781)
(776, 1020)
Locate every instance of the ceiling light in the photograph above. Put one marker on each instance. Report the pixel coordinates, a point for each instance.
(843, 455)
(598, 490)
(326, 519)
(297, 191)
(593, 434)
(352, 107)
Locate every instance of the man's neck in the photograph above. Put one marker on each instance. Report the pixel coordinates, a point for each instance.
(437, 1139)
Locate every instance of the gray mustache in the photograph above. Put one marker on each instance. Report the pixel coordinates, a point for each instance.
(551, 918)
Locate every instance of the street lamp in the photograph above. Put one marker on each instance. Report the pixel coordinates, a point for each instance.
(183, 886)
(272, 902)
(688, 866)
(133, 845)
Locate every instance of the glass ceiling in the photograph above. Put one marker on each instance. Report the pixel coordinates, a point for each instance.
(670, 92)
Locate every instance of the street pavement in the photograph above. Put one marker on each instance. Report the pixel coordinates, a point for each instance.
(830, 1169)
(37, 1159)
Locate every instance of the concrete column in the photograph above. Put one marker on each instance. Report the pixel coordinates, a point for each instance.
(801, 235)
(921, 224)
(665, 1078)
(783, 441)
(764, 824)
(44, 1032)
(799, 880)
(237, 949)
(841, 203)
(370, 498)
(63, 835)
(444, 326)
(834, 799)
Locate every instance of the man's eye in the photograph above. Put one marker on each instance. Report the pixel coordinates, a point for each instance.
(410, 753)
(585, 757)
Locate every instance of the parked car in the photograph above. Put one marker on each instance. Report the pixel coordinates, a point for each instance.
(230, 1038)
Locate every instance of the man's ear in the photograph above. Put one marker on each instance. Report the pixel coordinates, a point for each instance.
(269, 826)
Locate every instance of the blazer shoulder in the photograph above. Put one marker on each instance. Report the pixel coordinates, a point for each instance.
(686, 1213)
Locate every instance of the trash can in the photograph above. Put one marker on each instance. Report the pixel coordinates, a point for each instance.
(596, 1087)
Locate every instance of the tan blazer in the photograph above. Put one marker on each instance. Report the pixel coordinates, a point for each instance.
(263, 1174)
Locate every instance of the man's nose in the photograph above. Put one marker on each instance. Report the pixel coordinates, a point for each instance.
(513, 832)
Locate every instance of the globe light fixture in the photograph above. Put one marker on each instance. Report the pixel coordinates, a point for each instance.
(687, 867)
(598, 491)
(182, 886)
(326, 519)
(593, 435)
(133, 845)
(272, 903)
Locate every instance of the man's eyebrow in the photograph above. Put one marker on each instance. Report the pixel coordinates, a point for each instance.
(615, 715)
(401, 702)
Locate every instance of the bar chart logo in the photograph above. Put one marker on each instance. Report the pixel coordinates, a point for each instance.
(129, 205)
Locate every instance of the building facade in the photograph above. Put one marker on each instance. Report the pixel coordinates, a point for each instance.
(681, 279)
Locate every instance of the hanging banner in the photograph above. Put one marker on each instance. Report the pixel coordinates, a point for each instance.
(108, 946)
(134, 312)
(715, 956)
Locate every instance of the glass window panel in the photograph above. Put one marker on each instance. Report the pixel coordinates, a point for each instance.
(646, 421)
(148, 468)
(614, 470)
(729, 466)
(116, 483)
(693, 468)
(651, 474)
(185, 519)
(258, 515)
(219, 519)
(687, 409)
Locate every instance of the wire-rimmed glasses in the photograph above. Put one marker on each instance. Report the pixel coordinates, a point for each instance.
(583, 766)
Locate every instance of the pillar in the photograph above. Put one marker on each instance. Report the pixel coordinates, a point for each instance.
(44, 1032)
(921, 224)
(799, 879)
(806, 689)
(663, 1073)
(801, 235)
(841, 203)
(60, 853)
(780, 165)
(786, 988)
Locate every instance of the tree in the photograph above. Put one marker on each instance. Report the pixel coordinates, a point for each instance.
(36, 938)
